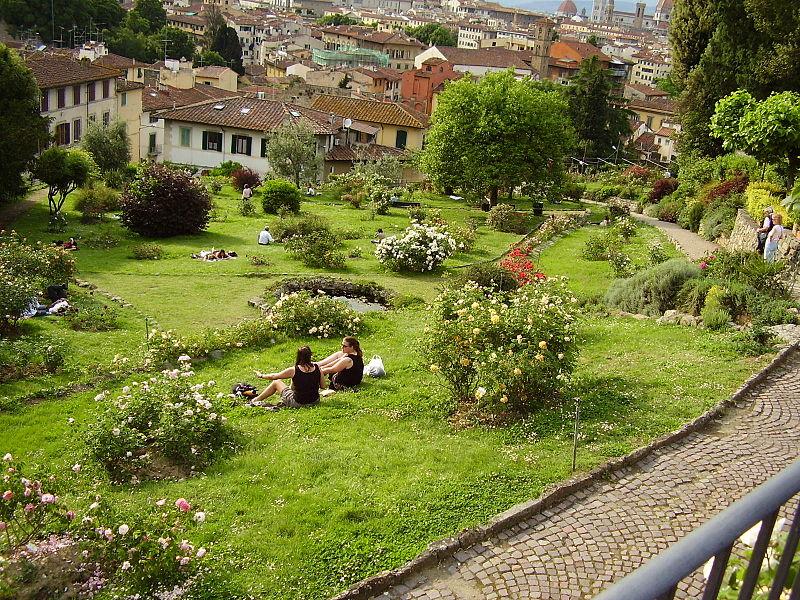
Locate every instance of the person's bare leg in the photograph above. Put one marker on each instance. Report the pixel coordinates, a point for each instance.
(276, 387)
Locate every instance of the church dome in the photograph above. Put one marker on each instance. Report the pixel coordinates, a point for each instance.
(567, 9)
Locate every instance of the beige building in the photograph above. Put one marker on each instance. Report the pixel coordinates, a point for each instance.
(218, 77)
(73, 94)
(395, 125)
(649, 68)
(129, 111)
(400, 49)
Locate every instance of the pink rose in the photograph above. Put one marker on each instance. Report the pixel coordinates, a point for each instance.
(3, 525)
(8, 495)
(182, 505)
(29, 507)
(70, 515)
(201, 552)
(185, 561)
(48, 499)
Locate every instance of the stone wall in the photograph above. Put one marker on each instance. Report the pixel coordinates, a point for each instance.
(743, 239)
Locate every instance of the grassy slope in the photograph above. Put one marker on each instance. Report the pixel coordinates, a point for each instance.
(319, 498)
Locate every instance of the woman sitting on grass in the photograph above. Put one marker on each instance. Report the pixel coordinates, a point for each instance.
(346, 366)
(307, 381)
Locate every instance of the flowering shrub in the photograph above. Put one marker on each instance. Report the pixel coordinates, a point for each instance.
(317, 249)
(301, 314)
(637, 172)
(620, 262)
(624, 227)
(555, 225)
(505, 217)
(420, 248)
(165, 417)
(161, 202)
(379, 198)
(506, 351)
(25, 270)
(147, 251)
(244, 176)
(662, 188)
(519, 264)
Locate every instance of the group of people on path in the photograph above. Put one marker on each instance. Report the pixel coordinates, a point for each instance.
(770, 234)
(345, 367)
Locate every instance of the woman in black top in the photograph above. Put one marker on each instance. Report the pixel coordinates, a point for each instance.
(346, 366)
(307, 381)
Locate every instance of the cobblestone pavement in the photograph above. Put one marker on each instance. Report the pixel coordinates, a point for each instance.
(597, 535)
(688, 242)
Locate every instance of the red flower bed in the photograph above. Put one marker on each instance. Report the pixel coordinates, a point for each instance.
(518, 263)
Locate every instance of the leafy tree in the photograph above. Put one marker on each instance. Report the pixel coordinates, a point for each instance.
(153, 11)
(36, 15)
(720, 46)
(108, 145)
(597, 121)
(215, 21)
(126, 42)
(136, 23)
(592, 39)
(768, 130)
(227, 44)
(63, 171)
(22, 129)
(209, 58)
(495, 134)
(179, 43)
(433, 34)
(338, 19)
(292, 152)
(108, 12)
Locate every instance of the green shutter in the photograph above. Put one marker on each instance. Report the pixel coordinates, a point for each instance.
(249, 146)
(233, 144)
(263, 147)
(205, 140)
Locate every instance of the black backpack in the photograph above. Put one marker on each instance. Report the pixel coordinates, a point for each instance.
(244, 390)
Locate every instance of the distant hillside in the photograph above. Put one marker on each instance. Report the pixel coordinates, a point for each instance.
(550, 6)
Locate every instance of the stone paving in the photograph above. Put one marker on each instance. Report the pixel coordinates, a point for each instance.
(606, 530)
(691, 244)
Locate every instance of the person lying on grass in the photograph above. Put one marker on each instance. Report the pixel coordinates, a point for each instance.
(307, 381)
(346, 367)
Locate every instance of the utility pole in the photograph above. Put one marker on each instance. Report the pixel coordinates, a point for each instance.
(52, 21)
(166, 43)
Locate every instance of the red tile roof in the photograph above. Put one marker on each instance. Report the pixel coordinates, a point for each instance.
(500, 58)
(663, 105)
(370, 35)
(350, 153)
(57, 70)
(371, 111)
(170, 97)
(251, 113)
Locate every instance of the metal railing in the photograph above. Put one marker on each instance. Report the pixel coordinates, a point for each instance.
(659, 578)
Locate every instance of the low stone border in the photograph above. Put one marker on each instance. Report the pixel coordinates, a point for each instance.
(444, 549)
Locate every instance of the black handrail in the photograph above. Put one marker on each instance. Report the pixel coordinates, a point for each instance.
(659, 577)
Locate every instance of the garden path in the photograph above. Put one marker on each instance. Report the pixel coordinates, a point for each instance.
(691, 244)
(607, 529)
(11, 212)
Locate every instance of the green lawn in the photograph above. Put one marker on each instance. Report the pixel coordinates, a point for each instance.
(317, 499)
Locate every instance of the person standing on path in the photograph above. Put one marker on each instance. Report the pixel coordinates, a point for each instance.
(773, 239)
(763, 231)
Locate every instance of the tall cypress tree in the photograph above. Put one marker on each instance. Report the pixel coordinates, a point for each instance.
(227, 44)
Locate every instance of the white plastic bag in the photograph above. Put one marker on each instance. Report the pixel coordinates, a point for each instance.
(375, 368)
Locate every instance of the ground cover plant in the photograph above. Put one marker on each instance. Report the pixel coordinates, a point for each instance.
(366, 480)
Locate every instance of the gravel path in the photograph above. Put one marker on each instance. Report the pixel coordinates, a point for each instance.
(691, 244)
(604, 531)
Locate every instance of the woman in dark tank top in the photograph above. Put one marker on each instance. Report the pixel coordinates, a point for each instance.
(346, 367)
(307, 381)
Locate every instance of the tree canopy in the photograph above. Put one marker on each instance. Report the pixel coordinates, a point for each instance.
(338, 19)
(497, 133)
(598, 122)
(63, 171)
(292, 152)
(179, 43)
(768, 130)
(227, 45)
(433, 34)
(153, 12)
(215, 21)
(108, 145)
(209, 58)
(720, 46)
(22, 129)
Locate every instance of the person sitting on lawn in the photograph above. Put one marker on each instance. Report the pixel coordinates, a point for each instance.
(307, 381)
(379, 235)
(265, 237)
(71, 244)
(247, 192)
(346, 367)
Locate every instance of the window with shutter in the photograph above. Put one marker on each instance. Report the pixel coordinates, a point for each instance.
(76, 130)
(62, 134)
(61, 94)
(45, 100)
(76, 94)
(263, 147)
(91, 90)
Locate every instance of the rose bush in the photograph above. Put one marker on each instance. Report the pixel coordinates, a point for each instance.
(301, 314)
(503, 352)
(166, 417)
(419, 248)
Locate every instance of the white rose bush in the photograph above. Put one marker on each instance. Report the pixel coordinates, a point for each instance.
(302, 314)
(418, 249)
(503, 353)
(167, 417)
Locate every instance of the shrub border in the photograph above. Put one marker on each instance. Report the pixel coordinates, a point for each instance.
(442, 549)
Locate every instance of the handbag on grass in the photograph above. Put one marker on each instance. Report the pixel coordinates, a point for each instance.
(375, 368)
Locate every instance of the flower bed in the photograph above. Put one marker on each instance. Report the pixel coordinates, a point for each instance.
(420, 248)
(299, 314)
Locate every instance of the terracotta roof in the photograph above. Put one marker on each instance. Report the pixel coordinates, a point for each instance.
(647, 90)
(351, 154)
(665, 132)
(371, 111)
(583, 49)
(501, 58)
(647, 142)
(169, 97)
(56, 70)
(664, 105)
(115, 61)
(568, 7)
(123, 85)
(370, 35)
(251, 113)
